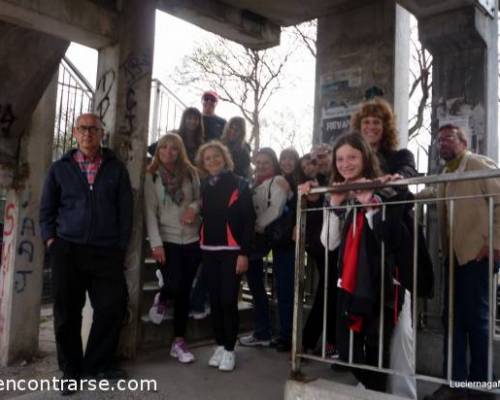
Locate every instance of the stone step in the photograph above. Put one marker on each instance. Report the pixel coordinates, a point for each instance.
(154, 336)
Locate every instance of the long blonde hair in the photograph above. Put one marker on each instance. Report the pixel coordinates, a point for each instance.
(183, 167)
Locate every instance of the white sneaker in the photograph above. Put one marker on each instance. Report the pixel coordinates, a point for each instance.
(227, 362)
(157, 310)
(216, 357)
(179, 350)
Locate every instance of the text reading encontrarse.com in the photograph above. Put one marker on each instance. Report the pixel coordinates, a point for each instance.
(103, 385)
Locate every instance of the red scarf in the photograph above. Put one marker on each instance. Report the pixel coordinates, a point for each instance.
(350, 262)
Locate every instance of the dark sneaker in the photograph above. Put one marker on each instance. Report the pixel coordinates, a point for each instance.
(252, 341)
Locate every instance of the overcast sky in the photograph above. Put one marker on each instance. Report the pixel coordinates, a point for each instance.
(295, 100)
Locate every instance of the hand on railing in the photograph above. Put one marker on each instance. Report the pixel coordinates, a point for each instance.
(389, 178)
(306, 187)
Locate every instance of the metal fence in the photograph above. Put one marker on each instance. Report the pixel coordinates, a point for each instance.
(166, 111)
(418, 207)
(74, 97)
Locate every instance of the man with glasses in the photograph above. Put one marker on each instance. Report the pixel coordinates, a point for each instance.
(470, 250)
(322, 155)
(86, 221)
(213, 125)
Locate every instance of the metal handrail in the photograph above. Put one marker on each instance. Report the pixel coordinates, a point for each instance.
(419, 180)
(297, 355)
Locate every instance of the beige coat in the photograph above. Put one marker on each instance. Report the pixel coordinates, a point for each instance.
(470, 216)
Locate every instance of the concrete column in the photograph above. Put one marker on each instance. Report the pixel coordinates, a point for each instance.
(361, 49)
(122, 100)
(463, 43)
(23, 251)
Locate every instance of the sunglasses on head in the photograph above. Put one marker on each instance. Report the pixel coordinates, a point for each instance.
(210, 98)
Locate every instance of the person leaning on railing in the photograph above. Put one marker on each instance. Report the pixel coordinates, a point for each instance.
(470, 249)
(355, 227)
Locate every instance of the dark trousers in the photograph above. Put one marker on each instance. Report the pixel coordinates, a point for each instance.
(313, 327)
(219, 268)
(365, 348)
(199, 293)
(181, 264)
(283, 269)
(470, 321)
(77, 269)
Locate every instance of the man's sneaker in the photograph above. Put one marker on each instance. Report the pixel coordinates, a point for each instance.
(252, 341)
(216, 357)
(227, 362)
(157, 310)
(179, 350)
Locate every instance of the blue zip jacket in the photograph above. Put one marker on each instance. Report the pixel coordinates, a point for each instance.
(98, 214)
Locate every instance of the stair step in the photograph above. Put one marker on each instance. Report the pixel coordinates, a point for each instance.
(153, 335)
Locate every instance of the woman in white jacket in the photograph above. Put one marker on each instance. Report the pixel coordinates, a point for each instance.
(272, 197)
(172, 193)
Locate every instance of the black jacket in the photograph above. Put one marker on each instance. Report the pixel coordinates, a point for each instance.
(227, 207)
(99, 215)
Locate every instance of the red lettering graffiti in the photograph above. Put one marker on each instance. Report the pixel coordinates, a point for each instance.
(9, 220)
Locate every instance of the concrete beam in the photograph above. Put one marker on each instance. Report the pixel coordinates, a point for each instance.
(425, 8)
(77, 21)
(242, 26)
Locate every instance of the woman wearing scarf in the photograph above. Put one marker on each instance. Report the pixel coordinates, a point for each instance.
(172, 192)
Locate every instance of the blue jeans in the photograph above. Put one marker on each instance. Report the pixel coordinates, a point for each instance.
(470, 322)
(283, 266)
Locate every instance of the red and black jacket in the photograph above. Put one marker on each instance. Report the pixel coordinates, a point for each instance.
(228, 214)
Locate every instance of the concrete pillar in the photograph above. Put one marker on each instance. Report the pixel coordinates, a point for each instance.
(361, 48)
(122, 100)
(28, 61)
(23, 251)
(463, 43)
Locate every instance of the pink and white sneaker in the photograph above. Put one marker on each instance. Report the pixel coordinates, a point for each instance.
(180, 351)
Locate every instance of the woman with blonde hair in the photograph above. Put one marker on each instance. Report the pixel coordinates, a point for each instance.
(172, 193)
(226, 234)
(233, 137)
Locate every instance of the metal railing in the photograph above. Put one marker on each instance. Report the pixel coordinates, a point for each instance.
(450, 202)
(74, 97)
(166, 110)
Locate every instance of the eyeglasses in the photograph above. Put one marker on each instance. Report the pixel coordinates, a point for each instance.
(91, 129)
(210, 98)
(321, 156)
